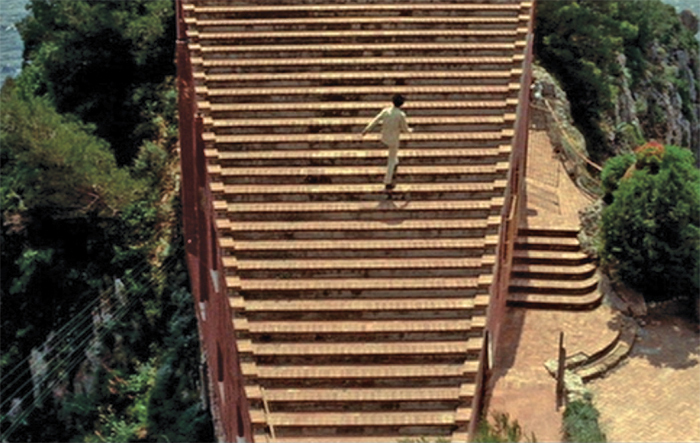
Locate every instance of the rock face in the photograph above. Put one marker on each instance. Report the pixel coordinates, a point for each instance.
(551, 111)
(689, 20)
(664, 105)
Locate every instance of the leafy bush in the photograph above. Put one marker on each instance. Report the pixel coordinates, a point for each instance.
(103, 61)
(580, 43)
(581, 423)
(614, 170)
(651, 230)
(55, 163)
(502, 430)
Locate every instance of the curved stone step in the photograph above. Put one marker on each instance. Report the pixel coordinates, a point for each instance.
(597, 367)
(553, 286)
(555, 301)
(548, 243)
(551, 272)
(548, 257)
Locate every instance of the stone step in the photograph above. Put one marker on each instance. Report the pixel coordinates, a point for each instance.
(383, 375)
(358, 36)
(585, 301)
(311, 421)
(359, 331)
(327, 288)
(232, 11)
(356, 191)
(550, 257)
(365, 248)
(360, 395)
(264, 438)
(414, 108)
(364, 328)
(560, 230)
(389, 22)
(361, 399)
(568, 244)
(355, 50)
(302, 64)
(431, 92)
(376, 157)
(307, 79)
(355, 125)
(356, 227)
(578, 272)
(387, 211)
(278, 175)
(415, 140)
(344, 207)
(397, 352)
(557, 286)
(360, 268)
(359, 309)
(366, 264)
(599, 366)
(354, 350)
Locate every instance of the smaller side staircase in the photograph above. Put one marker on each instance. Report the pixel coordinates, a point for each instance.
(596, 365)
(550, 271)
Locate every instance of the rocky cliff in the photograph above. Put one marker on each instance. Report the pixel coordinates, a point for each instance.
(664, 105)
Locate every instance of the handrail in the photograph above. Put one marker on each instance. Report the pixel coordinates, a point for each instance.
(581, 156)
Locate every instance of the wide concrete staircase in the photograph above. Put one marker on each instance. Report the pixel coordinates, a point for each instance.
(357, 317)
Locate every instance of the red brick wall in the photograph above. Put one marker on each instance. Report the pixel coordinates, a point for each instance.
(513, 210)
(226, 389)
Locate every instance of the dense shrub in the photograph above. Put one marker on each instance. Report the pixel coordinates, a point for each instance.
(581, 423)
(615, 169)
(581, 42)
(501, 430)
(651, 230)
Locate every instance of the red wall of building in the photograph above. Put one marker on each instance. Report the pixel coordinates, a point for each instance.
(225, 380)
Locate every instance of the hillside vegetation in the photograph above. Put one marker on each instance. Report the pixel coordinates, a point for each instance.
(629, 68)
(99, 336)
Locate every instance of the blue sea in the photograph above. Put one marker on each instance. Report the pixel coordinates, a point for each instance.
(11, 47)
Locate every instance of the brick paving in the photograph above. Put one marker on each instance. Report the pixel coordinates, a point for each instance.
(654, 395)
(521, 386)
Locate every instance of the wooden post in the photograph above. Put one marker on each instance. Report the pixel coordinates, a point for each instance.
(560, 371)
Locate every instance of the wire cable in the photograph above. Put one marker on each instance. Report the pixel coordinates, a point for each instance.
(85, 335)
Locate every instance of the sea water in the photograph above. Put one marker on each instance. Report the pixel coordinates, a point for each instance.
(11, 46)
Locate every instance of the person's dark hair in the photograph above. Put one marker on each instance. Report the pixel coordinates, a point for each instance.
(398, 100)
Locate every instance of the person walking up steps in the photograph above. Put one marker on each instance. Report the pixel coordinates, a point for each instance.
(393, 121)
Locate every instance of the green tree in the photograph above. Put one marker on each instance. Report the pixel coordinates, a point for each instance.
(580, 424)
(651, 230)
(579, 41)
(103, 60)
(501, 430)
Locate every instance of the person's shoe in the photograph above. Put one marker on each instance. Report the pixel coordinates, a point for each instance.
(390, 187)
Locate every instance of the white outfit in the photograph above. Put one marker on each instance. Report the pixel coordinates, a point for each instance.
(393, 122)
